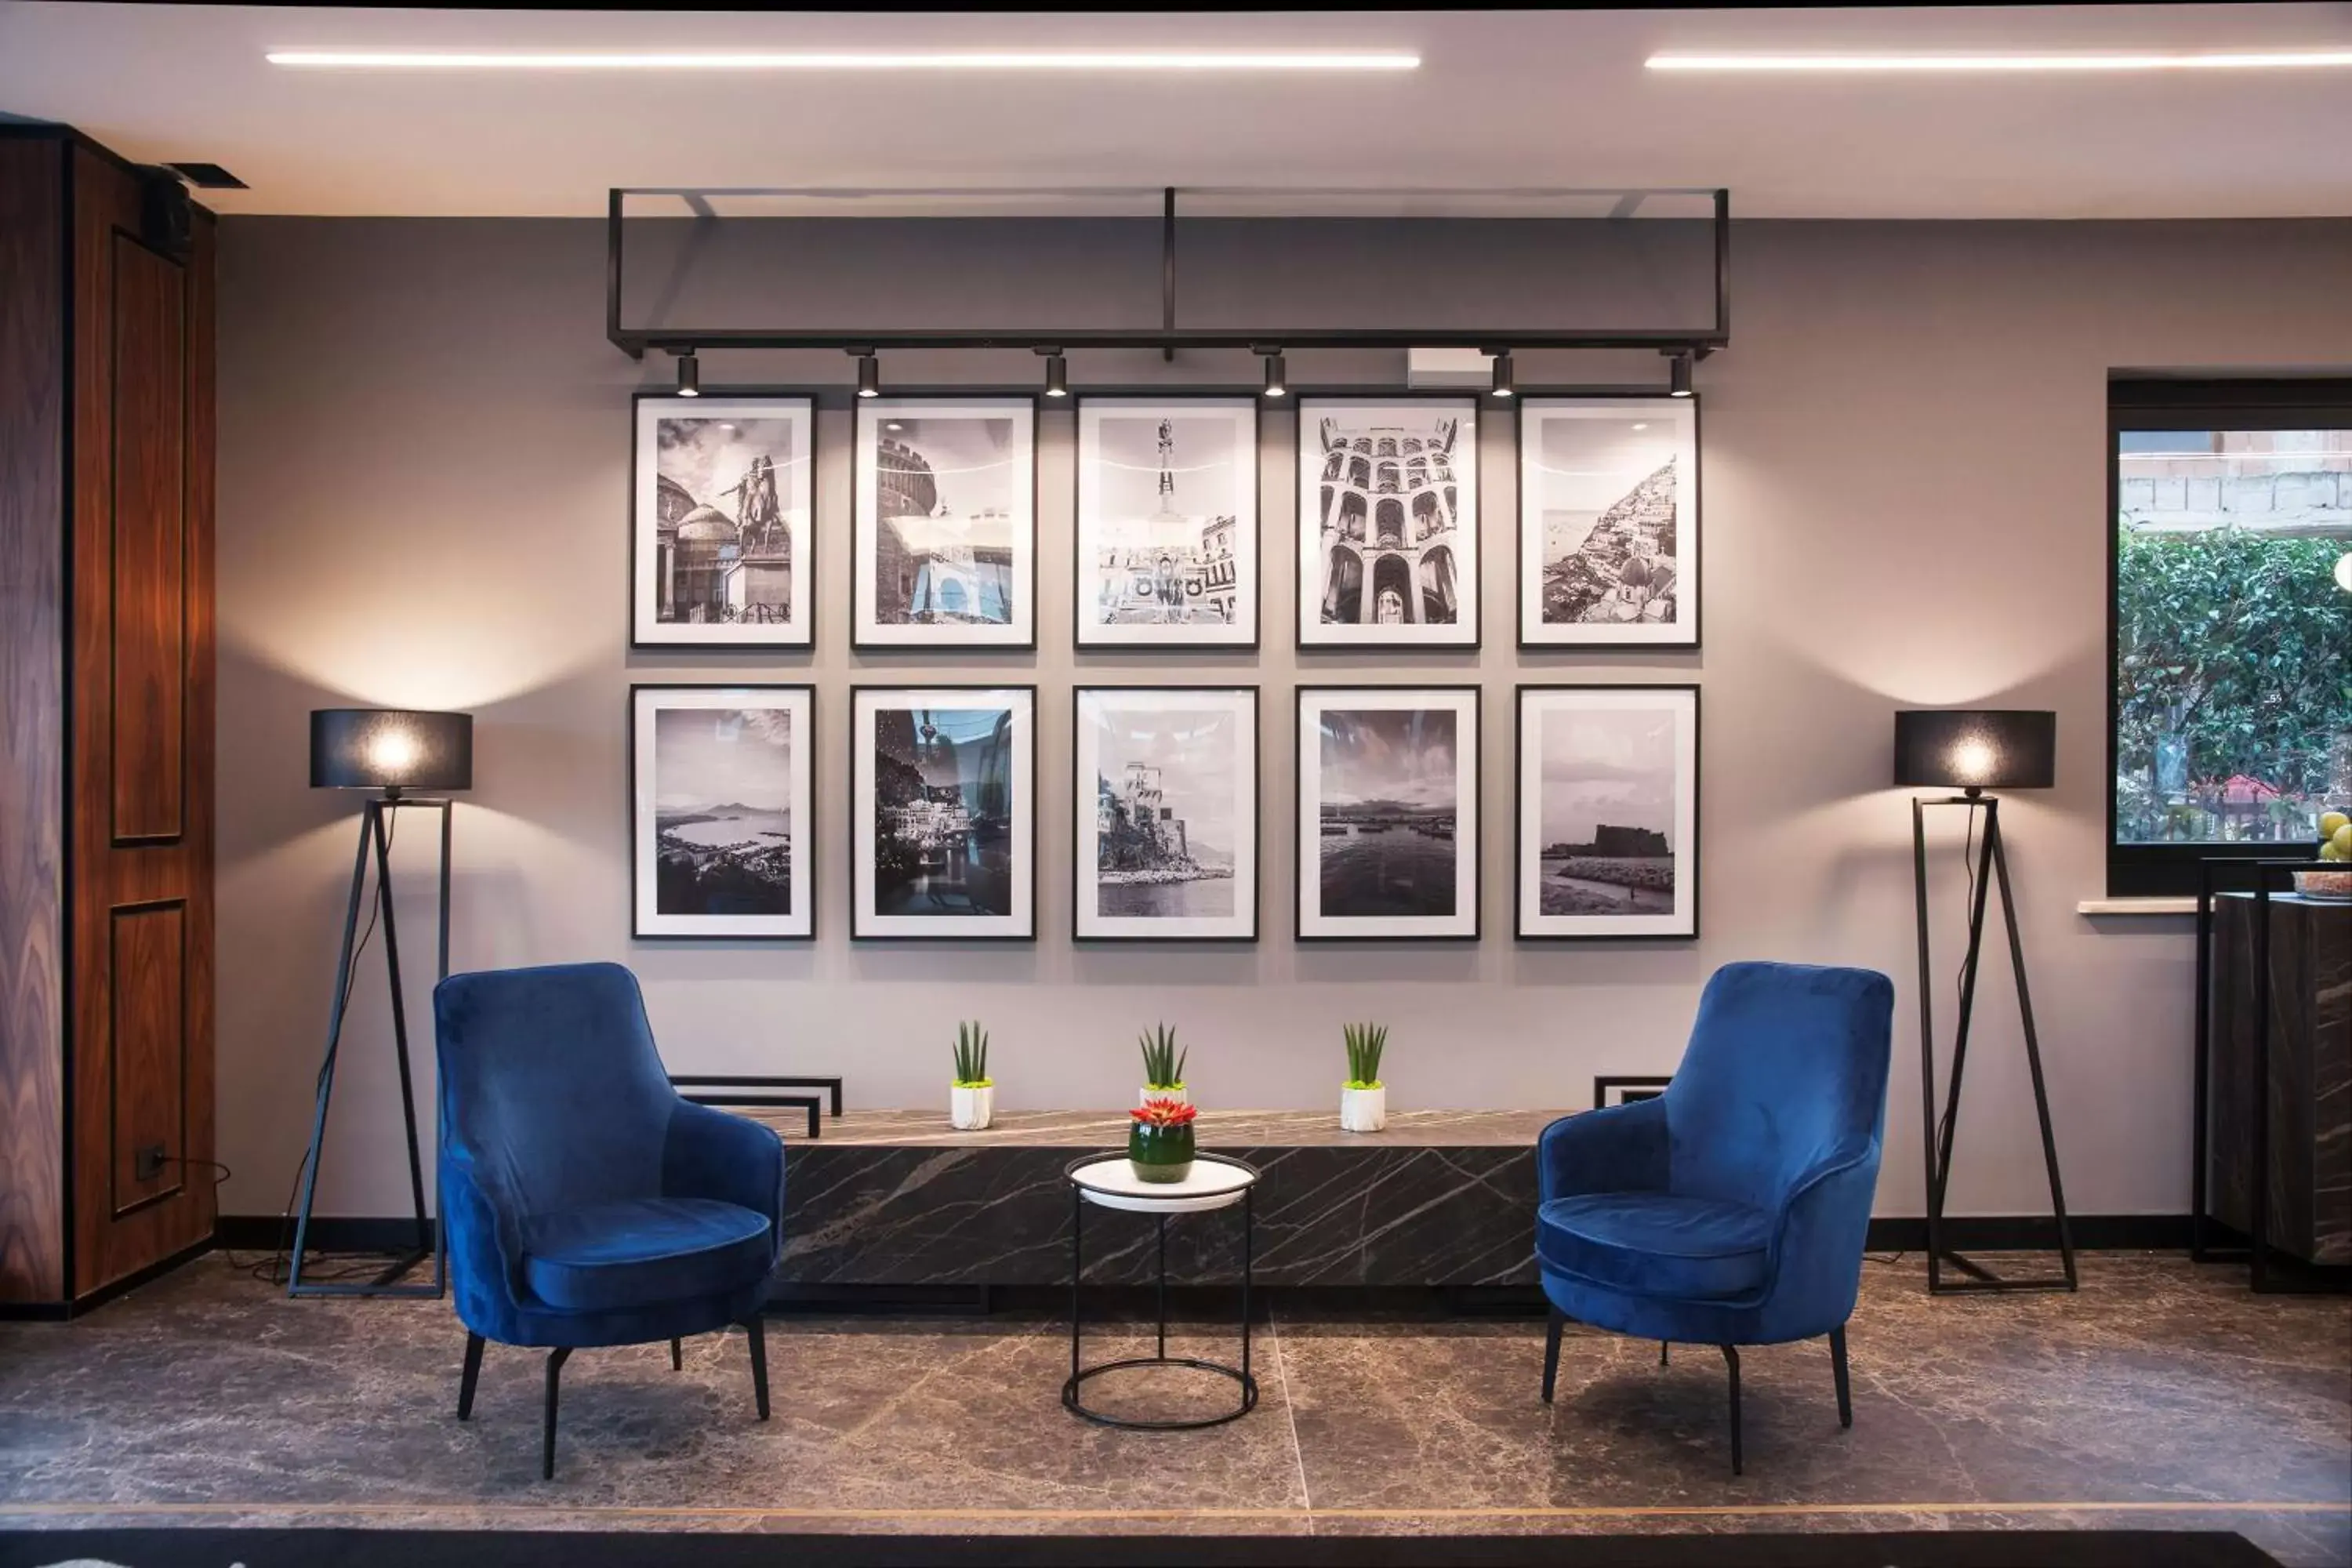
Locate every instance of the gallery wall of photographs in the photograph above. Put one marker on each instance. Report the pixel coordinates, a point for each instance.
(1164, 839)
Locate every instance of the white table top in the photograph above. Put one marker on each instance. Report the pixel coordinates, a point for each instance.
(1212, 1184)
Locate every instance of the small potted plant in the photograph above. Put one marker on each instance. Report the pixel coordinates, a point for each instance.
(1160, 1139)
(971, 1103)
(1163, 1065)
(1364, 1098)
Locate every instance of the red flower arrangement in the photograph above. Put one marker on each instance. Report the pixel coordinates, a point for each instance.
(1166, 1113)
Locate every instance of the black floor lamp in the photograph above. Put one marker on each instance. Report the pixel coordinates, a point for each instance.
(393, 751)
(1974, 750)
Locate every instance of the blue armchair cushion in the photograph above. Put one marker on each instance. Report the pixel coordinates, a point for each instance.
(1655, 1244)
(616, 1256)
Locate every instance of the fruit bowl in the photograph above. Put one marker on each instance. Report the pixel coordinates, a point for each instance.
(2333, 887)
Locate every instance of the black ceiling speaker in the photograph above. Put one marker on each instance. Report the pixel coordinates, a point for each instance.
(167, 218)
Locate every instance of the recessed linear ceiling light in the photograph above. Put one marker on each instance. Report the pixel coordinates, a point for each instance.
(2122, 61)
(859, 60)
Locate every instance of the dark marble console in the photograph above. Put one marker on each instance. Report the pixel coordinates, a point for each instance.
(895, 1198)
(2309, 1200)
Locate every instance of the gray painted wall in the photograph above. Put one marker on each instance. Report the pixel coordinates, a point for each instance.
(424, 452)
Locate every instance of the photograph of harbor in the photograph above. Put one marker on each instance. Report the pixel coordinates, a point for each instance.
(1608, 808)
(1170, 850)
(721, 531)
(944, 812)
(1167, 521)
(945, 523)
(1608, 522)
(1388, 813)
(721, 804)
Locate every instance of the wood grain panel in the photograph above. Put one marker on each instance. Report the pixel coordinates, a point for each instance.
(32, 721)
(148, 543)
(149, 1092)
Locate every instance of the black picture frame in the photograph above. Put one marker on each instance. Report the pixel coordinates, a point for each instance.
(1080, 624)
(857, 933)
(805, 641)
(1631, 1089)
(1304, 833)
(1080, 794)
(975, 398)
(1468, 586)
(1519, 808)
(1522, 565)
(805, 836)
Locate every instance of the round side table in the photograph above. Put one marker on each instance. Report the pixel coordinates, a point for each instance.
(1215, 1182)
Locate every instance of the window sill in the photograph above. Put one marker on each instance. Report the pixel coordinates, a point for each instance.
(2170, 905)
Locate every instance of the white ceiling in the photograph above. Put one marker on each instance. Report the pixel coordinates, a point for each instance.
(1503, 99)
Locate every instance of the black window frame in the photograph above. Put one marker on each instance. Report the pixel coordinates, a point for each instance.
(2180, 402)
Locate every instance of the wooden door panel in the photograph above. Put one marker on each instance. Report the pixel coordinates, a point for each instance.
(149, 1088)
(148, 657)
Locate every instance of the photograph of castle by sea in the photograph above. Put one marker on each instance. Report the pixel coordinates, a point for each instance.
(1388, 812)
(1167, 523)
(1168, 850)
(1608, 522)
(1608, 809)
(945, 518)
(722, 800)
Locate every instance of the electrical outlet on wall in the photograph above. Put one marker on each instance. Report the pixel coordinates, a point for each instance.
(147, 1162)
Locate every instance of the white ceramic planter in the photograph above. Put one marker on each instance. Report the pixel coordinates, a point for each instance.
(971, 1109)
(1363, 1110)
(1180, 1094)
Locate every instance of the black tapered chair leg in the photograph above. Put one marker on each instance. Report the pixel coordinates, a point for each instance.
(756, 1328)
(677, 1356)
(1662, 1352)
(469, 1376)
(1731, 1360)
(1837, 1364)
(1551, 1351)
(555, 1360)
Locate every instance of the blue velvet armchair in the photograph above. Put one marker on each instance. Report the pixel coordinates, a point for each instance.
(585, 1203)
(1731, 1209)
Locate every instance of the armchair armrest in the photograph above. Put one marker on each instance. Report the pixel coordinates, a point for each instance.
(1817, 1248)
(708, 1153)
(484, 1256)
(1621, 1149)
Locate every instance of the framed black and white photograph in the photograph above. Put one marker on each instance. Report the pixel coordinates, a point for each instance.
(945, 514)
(1166, 839)
(1607, 812)
(1626, 1089)
(720, 531)
(1388, 813)
(943, 812)
(720, 810)
(1388, 522)
(1167, 523)
(1609, 522)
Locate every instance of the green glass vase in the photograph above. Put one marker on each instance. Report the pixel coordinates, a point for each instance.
(1159, 1154)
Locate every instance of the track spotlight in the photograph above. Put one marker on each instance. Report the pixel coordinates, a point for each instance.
(1277, 381)
(689, 375)
(1057, 376)
(1680, 385)
(869, 375)
(1504, 386)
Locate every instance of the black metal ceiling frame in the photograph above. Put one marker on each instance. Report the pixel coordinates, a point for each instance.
(1169, 337)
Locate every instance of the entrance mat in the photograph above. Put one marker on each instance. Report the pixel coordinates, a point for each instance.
(623, 1549)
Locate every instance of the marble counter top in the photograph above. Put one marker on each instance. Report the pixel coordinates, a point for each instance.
(1080, 1129)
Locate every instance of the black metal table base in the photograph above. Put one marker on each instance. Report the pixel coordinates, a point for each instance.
(1073, 1386)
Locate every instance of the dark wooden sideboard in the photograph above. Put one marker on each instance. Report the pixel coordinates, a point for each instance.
(106, 720)
(2308, 1212)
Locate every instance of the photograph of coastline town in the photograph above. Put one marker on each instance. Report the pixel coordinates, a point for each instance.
(1170, 851)
(943, 786)
(1602, 534)
(1167, 522)
(721, 790)
(1389, 810)
(1605, 807)
(946, 503)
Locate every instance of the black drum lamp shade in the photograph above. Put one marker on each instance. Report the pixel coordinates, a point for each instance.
(390, 748)
(1976, 748)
